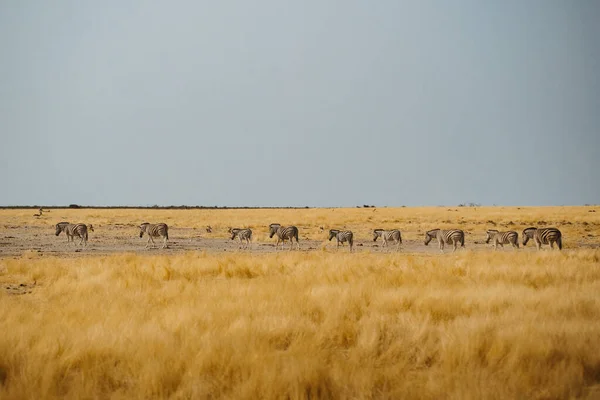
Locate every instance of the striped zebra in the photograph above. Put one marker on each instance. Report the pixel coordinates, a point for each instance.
(72, 230)
(393, 235)
(242, 234)
(155, 230)
(451, 236)
(284, 233)
(342, 236)
(502, 238)
(543, 236)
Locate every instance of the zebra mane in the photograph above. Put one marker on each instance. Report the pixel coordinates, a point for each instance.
(378, 230)
(529, 229)
(63, 223)
(492, 230)
(433, 230)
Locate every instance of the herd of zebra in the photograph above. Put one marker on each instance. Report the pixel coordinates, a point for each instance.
(548, 236)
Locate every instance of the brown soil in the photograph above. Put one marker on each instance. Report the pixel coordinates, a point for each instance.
(16, 240)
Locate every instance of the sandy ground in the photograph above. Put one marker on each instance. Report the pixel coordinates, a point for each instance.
(14, 241)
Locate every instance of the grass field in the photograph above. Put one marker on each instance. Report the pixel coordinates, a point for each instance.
(311, 324)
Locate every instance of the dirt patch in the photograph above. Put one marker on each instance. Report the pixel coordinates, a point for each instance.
(15, 241)
(17, 288)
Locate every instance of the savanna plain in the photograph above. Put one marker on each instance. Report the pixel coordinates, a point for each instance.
(205, 319)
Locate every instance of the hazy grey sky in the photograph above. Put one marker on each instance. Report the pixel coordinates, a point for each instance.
(317, 103)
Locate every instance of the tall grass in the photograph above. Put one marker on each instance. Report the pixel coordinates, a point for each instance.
(470, 325)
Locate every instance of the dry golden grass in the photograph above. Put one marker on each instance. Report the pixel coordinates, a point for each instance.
(320, 324)
(576, 223)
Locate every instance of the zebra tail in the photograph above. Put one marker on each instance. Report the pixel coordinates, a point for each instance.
(462, 241)
(559, 243)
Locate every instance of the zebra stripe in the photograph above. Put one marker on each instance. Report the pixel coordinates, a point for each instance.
(543, 236)
(393, 235)
(242, 234)
(155, 230)
(451, 236)
(342, 236)
(502, 238)
(284, 233)
(72, 230)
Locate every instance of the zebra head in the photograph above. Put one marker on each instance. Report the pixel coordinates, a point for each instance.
(490, 233)
(273, 229)
(430, 235)
(143, 228)
(333, 233)
(234, 232)
(377, 233)
(528, 234)
(90, 227)
(61, 227)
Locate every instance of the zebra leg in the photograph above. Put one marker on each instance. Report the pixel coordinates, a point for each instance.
(165, 243)
(455, 246)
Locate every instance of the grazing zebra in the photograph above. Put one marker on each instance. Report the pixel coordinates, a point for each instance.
(452, 236)
(72, 230)
(543, 236)
(284, 233)
(502, 238)
(243, 234)
(342, 236)
(155, 230)
(388, 236)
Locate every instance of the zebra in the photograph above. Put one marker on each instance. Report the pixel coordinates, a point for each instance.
(452, 236)
(284, 233)
(155, 230)
(243, 234)
(341, 237)
(72, 230)
(543, 236)
(393, 235)
(502, 238)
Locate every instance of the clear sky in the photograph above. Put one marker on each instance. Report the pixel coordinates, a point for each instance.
(306, 103)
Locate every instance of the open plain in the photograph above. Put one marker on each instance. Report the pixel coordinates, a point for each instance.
(205, 319)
